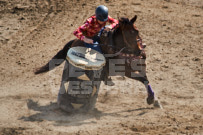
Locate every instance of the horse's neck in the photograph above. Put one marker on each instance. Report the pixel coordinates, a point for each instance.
(110, 38)
(117, 37)
(114, 38)
(107, 39)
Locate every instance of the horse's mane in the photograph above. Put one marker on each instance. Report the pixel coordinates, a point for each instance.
(124, 20)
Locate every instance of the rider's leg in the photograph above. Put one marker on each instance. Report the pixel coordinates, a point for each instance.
(107, 80)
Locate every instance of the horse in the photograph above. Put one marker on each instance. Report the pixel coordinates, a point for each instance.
(123, 46)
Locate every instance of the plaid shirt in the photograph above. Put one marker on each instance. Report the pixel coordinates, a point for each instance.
(91, 27)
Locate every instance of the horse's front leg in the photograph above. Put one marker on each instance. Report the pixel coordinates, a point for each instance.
(151, 98)
(137, 71)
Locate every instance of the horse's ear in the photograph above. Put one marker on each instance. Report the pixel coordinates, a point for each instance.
(133, 19)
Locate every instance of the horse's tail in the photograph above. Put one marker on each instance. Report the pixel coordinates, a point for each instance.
(57, 60)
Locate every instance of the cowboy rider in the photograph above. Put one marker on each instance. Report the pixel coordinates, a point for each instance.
(88, 32)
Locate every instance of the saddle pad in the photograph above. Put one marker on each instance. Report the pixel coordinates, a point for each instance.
(85, 58)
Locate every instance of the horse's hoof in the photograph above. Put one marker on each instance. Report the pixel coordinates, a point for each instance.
(109, 82)
(157, 104)
(150, 100)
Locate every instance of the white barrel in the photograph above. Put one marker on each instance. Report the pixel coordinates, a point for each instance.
(85, 58)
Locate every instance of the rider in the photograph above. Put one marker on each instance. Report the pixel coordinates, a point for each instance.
(88, 32)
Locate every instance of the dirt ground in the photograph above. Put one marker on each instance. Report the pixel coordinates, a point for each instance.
(32, 31)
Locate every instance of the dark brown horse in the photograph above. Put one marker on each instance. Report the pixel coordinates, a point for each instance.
(122, 46)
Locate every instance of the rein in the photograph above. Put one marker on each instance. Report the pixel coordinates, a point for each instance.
(111, 55)
(120, 49)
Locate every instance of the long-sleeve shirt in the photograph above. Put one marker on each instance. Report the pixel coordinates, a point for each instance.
(91, 27)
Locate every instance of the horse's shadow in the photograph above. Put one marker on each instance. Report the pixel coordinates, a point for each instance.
(52, 112)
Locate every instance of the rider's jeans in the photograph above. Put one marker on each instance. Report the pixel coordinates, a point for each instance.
(96, 41)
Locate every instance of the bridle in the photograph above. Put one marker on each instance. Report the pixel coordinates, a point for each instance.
(126, 41)
(119, 48)
(112, 46)
(127, 44)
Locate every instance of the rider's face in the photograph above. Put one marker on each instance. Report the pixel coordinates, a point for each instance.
(100, 22)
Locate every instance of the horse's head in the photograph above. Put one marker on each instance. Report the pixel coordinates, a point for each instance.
(126, 36)
(130, 36)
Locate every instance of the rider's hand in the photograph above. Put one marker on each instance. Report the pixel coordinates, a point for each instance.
(87, 40)
(107, 28)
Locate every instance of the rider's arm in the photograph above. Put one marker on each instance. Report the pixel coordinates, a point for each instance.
(113, 22)
(79, 31)
(78, 34)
